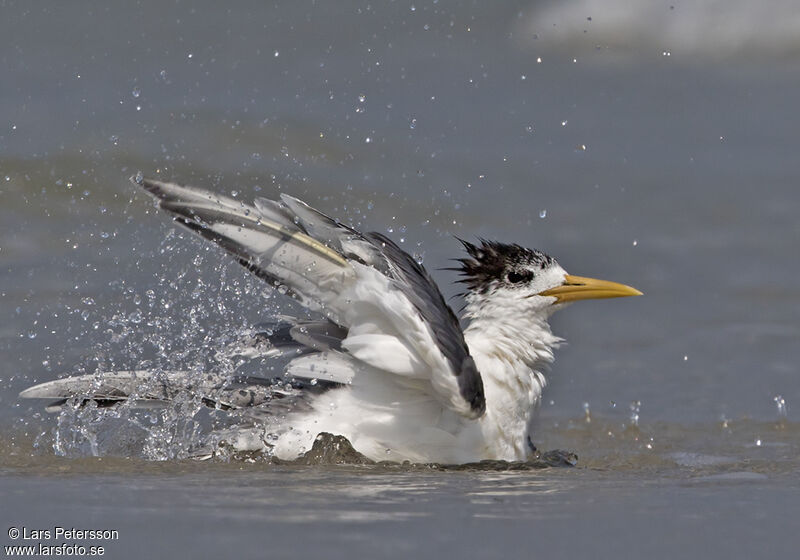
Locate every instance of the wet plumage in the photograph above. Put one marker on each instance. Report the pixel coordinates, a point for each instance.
(388, 364)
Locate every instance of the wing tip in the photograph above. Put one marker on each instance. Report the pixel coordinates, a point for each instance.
(155, 188)
(38, 391)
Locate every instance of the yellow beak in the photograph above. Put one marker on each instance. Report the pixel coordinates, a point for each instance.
(578, 287)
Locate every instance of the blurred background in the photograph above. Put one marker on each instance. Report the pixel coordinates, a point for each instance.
(648, 143)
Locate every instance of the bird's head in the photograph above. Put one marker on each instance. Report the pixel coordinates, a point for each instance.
(503, 278)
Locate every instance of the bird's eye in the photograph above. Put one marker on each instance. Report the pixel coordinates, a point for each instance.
(516, 277)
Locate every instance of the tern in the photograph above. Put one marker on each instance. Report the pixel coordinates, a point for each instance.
(388, 364)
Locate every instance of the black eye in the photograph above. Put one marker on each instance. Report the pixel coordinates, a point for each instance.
(516, 277)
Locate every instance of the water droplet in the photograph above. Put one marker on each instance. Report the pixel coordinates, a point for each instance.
(367, 140)
(190, 55)
(413, 124)
(256, 156)
(635, 406)
(138, 178)
(635, 242)
(31, 334)
(136, 92)
(114, 139)
(529, 128)
(587, 414)
(276, 54)
(163, 74)
(538, 60)
(564, 123)
(543, 213)
(780, 402)
(362, 98)
(758, 442)
(686, 358)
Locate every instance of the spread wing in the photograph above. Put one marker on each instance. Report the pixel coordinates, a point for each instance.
(384, 309)
(439, 325)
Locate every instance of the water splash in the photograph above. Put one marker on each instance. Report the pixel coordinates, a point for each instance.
(139, 329)
(635, 407)
(780, 403)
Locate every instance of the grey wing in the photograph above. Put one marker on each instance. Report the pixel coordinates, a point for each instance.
(148, 389)
(287, 336)
(419, 288)
(268, 239)
(347, 241)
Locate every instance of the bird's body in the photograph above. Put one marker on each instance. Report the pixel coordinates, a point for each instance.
(402, 380)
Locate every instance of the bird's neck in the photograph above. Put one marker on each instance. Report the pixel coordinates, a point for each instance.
(509, 334)
(510, 351)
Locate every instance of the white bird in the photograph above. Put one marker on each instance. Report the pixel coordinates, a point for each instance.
(390, 367)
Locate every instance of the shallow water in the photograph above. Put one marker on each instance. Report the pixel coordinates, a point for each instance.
(673, 173)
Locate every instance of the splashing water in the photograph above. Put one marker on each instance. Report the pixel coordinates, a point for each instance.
(780, 403)
(187, 322)
(635, 407)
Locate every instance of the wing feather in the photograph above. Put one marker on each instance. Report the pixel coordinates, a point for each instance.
(395, 317)
(267, 241)
(419, 288)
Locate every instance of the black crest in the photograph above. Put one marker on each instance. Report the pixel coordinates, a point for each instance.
(494, 263)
